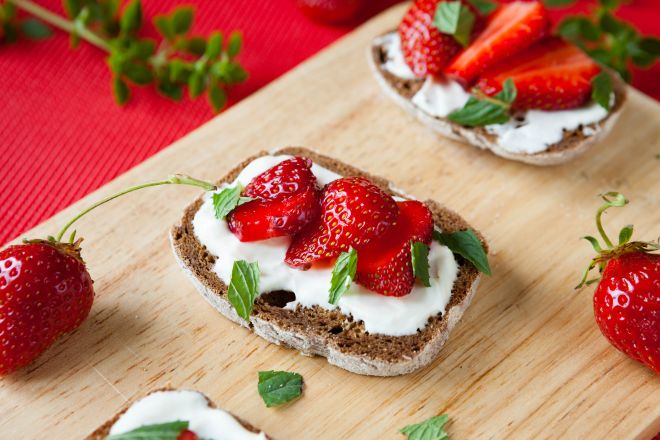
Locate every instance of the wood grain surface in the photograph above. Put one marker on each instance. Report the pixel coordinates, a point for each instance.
(527, 361)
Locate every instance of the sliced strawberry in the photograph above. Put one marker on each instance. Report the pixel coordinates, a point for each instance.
(551, 75)
(426, 50)
(354, 212)
(512, 28)
(385, 266)
(286, 200)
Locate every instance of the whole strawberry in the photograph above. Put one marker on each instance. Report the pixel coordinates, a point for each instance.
(627, 299)
(45, 291)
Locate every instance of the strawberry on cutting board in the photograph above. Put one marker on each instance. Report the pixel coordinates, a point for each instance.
(627, 298)
(550, 75)
(512, 28)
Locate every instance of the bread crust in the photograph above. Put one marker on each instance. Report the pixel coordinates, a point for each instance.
(574, 143)
(329, 333)
(103, 431)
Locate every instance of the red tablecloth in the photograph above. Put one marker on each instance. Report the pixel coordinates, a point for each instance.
(62, 136)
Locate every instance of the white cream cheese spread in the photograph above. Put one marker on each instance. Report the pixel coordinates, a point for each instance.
(533, 133)
(380, 314)
(184, 405)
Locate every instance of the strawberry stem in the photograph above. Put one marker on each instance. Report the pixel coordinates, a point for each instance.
(612, 199)
(177, 179)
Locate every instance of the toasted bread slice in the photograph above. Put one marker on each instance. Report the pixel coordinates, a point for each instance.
(103, 431)
(574, 142)
(330, 333)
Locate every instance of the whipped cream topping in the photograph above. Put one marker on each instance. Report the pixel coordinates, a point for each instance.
(533, 133)
(380, 314)
(183, 405)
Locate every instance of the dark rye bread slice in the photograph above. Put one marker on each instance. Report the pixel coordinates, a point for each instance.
(103, 431)
(574, 142)
(330, 333)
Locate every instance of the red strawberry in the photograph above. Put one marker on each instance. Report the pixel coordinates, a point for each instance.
(330, 11)
(426, 50)
(354, 212)
(551, 75)
(287, 199)
(187, 435)
(384, 265)
(45, 291)
(627, 299)
(513, 27)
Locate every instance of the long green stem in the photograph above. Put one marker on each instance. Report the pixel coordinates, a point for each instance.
(177, 179)
(599, 225)
(62, 23)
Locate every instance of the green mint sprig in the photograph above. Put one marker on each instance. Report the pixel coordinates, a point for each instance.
(343, 275)
(181, 60)
(279, 387)
(243, 287)
(608, 39)
(160, 431)
(430, 429)
(467, 245)
(483, 110)
(601, 89)
(227, 200)
(456, 19)
(420, 262)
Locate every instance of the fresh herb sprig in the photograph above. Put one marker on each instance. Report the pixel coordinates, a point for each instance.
(279, 387)
(485, 110)
(608, 39)
(430, 429)
(180, 60)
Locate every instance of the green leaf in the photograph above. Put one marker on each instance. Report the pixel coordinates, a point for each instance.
(161, 431)
(179, 70)
(610, 4)
(72, 7)
(456, 19)
(171, 90)
(214, 46)
(343, 275)
(430, 429)
(196, 46)
(467, 245)
(131, 19)
(217, 96)
(601, 89)
(182, 19)
(234, 45)
(120, 90)
(195, 84)
(144, 48)
(579, 28)
(138, 73)
(485, 7)
(35, 29)
(625, 234)
(479, 112)
(279, 387)
(558, 3)
(650, 45)
(164, 26)
(243, 287)
(420, 262)
(594, 243)
(226, 200)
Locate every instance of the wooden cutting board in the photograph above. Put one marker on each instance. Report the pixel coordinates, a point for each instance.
(527, 361)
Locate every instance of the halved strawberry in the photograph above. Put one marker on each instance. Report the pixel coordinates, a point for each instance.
(354, 212)
(385, 266)
(551, 75)
(426, 50)
(287, 198)
(513, 27)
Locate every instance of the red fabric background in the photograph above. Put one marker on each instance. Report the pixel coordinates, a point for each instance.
(62, 136)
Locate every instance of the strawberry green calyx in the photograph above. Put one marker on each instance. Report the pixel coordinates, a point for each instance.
(177, 179)
(610, 251)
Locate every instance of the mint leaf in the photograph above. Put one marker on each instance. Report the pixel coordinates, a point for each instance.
(234, 44)
(120, 90)
(244, 287)
(486, 111)
(226, 200)
(217, 96)
(420, 262)
(467, 245)
(485, 7)
(601, 89)
(558, 3)
(182, 19)
(131, 18)
(342, 275)
(430, 429)
(456, 19)
(161, 431)
(214, 45)
(35, 29)
(279, 387)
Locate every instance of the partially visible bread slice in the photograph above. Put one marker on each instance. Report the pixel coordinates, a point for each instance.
(103, 431)
(573, 144)
(330, 333)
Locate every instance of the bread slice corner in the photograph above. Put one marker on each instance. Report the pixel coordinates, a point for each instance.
(329, 333)
(103, 431)
(573, 144)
